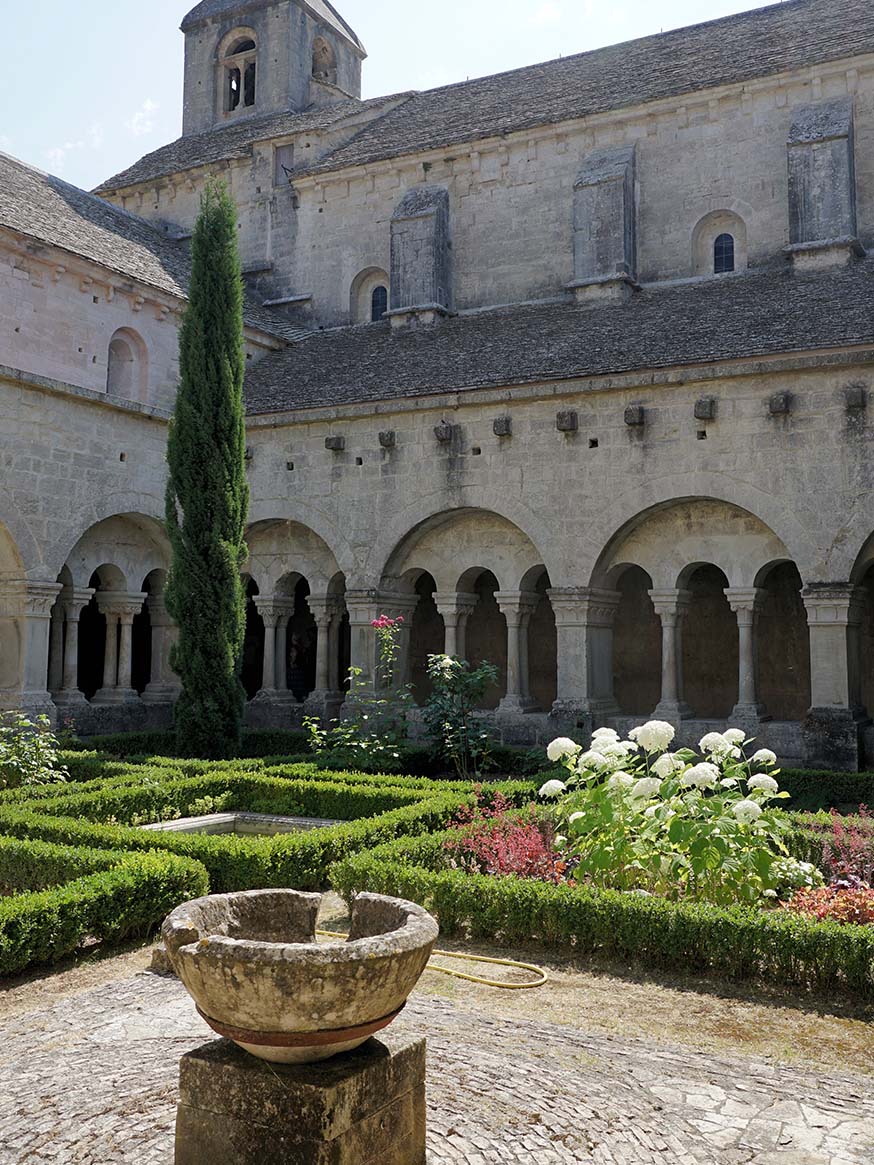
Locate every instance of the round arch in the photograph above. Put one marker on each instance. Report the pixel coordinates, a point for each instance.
(134, 544)
(282, 549)
(363, 292)
(127, 370)
(715, 226)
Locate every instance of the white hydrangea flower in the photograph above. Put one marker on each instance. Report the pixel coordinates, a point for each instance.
(735, 735)
(646, 787)
(650, 810)
(668, 764)
(561, 748)
(764, 757)
(620, 780)
(654, 736)
(616, 749)
(592, 760)
(602, 735)
(728, 782)
(747, 811)
(553, 789)
(575, 817)
(765, 783)
(701, 776)
(717, 745)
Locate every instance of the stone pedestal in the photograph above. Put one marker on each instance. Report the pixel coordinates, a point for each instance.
(366, 1107)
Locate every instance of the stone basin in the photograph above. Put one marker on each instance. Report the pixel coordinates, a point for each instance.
(253, 966)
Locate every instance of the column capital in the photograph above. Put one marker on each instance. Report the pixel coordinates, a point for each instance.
(517, 604)
(397, 605)
(839, 604)
(324, 607)
(273, 607)
(362, 605)
(159, 616)
(125, 604)
(455, 603)
(75, 600)
(745, 599)
(584, 606)
(39, 598)
(670, 604)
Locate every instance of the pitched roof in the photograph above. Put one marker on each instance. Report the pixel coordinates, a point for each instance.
(236, 140)
(322, 9)
(53, 212)
(738, 317)
(763, 42)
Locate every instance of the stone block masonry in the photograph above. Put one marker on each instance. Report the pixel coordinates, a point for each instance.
(363, 1108)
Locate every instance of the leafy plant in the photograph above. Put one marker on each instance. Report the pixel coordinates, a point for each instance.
(29, 753)
(637, 817)
(374, 725)
(207, 496)
(449, 712)
(849, 906)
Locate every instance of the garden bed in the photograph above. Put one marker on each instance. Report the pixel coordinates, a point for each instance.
(738, 942)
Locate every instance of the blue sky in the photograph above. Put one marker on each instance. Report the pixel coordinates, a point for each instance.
(107, 83)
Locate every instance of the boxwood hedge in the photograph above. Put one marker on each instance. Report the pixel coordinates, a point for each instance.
(738, 942)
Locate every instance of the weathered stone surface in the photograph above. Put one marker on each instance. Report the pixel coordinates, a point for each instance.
(251, 962)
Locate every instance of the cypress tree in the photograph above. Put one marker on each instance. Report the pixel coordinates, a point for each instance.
(207, 493)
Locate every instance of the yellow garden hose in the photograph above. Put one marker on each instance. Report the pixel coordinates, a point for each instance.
(543, 976)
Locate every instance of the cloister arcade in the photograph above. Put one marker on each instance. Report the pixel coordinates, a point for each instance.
(695, 611)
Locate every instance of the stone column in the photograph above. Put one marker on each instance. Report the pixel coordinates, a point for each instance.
(401, 607)
(671, 606)
(363, 608)
(70, 696)
(517, 608)
(56, 648)
(745, 603)
(456, 610)
(584, 618)
(831, 728)
(39, 598)
(164, 685)
(119, 610)
(325, 698)
(335, 680)
(270, 612)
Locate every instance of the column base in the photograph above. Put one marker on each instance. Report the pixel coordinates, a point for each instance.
(116, 696)
(517, 705)
(69, 699)
(366, 1105)
(324, 703)
(161, 694)
(744, 715)
(672, 710)
(33, 704)
(832, 739)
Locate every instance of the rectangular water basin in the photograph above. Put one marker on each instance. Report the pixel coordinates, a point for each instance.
(262, 824)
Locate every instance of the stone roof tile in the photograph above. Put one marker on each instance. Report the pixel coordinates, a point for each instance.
(762, 42)
(695, 323)
(236, 140)
(53, 212)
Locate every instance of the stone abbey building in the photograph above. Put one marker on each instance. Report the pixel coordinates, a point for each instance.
(571, 366)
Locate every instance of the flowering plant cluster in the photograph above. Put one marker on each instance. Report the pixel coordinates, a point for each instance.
(492, 838)
(849, 905)
(848, 848)
(450, 712)
(28, 752)
(636, 816)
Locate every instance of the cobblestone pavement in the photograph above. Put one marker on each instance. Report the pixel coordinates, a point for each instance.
(92, 1080)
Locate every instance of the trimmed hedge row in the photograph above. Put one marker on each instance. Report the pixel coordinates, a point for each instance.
(815, 790)
(256, 743)
(110, 897)
(738, 942)
(371, 816)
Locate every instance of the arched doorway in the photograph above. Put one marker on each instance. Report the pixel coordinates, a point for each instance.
(637, 645)
(783, 644)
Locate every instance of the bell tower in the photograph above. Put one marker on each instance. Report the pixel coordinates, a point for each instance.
(248, 58)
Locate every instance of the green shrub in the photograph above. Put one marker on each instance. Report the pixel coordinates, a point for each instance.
(111, 897)
(255, 743)
(738, 942)
(813, 790)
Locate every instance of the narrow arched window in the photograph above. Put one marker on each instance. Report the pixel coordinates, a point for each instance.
(128, 366)
(723, 254)
(324, 62)
(378, 303)
(239, 73)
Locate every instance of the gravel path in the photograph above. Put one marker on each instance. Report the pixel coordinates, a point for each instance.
(92, 1079)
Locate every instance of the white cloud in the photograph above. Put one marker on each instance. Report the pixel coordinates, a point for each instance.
(96, 136)
(57, 156)
(143, 121)
(546, 13)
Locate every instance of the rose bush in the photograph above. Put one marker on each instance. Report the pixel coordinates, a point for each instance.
(634, 816)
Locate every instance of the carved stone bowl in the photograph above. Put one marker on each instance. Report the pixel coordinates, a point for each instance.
(252, 965)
